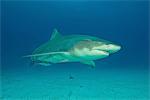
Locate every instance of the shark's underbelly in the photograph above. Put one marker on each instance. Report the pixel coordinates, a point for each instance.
(76, 56)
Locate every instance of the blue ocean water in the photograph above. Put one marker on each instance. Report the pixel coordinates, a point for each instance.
(25, 25)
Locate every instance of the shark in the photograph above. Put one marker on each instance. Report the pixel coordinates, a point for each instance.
(72, 48)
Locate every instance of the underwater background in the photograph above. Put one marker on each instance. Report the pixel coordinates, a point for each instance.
(25, 25)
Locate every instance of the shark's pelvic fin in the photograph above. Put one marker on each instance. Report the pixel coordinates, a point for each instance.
(44, 64)
(55, 35)
(89, 62)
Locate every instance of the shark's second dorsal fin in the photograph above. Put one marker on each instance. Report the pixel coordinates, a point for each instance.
(55, 35)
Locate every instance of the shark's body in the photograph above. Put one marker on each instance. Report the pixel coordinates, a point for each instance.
(72, 48)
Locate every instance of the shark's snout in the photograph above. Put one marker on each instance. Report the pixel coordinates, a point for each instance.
(113, 48)
(109, 48)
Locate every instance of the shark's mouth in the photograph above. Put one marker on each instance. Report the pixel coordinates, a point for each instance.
(101, 50)
(104, 52)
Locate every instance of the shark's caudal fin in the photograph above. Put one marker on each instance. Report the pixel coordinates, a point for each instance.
(55, 35)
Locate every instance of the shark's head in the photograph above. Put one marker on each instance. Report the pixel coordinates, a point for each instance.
(106, 46)
(95, 49)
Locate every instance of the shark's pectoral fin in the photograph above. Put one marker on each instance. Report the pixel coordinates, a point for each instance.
(89, 62)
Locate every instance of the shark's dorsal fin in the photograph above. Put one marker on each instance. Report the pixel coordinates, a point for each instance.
(55, 35)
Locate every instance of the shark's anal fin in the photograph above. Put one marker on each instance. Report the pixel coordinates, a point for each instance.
(89, 62)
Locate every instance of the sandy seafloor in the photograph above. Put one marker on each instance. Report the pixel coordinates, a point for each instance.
(53, 83)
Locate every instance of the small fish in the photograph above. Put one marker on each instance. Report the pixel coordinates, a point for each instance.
(71, 77)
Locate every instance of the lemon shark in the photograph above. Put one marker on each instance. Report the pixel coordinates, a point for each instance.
(72, 48)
